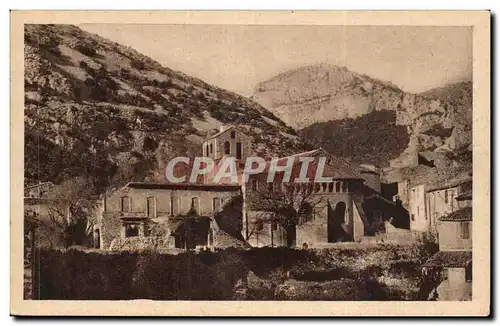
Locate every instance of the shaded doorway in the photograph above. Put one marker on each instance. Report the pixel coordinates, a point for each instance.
(192, 232)
(336, 217)
(97, 239)
(291, 235)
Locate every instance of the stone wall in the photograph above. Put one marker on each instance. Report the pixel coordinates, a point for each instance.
(168, 203)
(455, 287)
(441, 202)
(313, 232)
(450, 236)
(418, 217)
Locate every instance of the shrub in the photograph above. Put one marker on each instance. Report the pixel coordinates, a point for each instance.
(82, 64)
(137, 64)
(85, 48)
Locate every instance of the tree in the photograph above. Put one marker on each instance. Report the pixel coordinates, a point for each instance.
(285, 204)
(71, 207)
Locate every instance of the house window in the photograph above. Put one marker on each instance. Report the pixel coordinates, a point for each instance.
(337, 187)
(216, 204)
(255, 184)
(274, 226)
(125, 204)
(233, 134)
(175, 206)
(468, 273)
(211, 148)
(413, 217)
(238, 151)
(259, 225)
(227, 148)
(464, 230)
(131, 230)
(151, 207)
(195, 205)
(446, 196)
(206, 150)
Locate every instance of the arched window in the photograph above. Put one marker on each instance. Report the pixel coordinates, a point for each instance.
(206, 151)
(233, 134)
(344, 186)
(227, 148)
(238, 151)
(211, 148)
(337, 186)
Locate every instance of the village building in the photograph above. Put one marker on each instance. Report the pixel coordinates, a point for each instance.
(343, 209)
(453, 262)
(181, 216)
(333, 211)
(447, 198)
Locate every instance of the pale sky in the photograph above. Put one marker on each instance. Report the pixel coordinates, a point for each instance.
(237, 57)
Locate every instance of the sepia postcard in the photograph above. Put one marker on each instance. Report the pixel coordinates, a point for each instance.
(250, 163)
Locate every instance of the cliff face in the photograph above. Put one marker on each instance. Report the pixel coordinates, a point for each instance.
(313, 96)
(97, 108)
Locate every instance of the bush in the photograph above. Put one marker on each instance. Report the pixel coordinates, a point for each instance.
(82, 64)
(137, 64)
(362, 139)
(258, 274)
(87, 49)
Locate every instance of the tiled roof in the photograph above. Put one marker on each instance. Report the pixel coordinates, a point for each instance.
(184, 186)
(449, 259)
(464, 195)
(335, 167)
(445, 184)
(463, 214)
(225, 240)
(220, 132)
(223, 131)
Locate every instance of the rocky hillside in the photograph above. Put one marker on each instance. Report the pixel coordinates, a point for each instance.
(320, 99)
(95, 107)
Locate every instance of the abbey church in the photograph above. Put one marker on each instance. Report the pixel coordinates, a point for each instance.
(233, 213)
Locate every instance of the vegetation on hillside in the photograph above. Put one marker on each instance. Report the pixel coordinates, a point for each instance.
(373, 138)
(97, 108)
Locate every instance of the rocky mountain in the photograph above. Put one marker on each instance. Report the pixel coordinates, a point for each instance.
(97, 108)
(326, 103)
